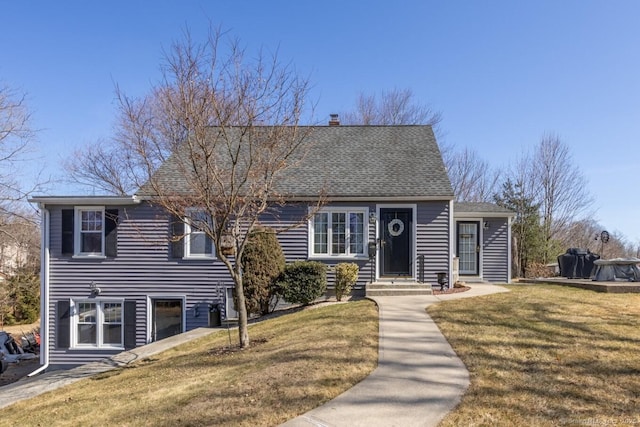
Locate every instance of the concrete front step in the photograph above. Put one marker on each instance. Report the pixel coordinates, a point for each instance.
(397, 289)
(472, 279)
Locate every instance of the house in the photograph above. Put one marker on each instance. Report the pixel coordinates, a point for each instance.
(113, 277)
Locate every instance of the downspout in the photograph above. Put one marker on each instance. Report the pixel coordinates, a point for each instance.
(452, 239)
(509, 253)
(44, 292)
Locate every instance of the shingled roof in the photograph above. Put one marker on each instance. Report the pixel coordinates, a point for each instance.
(359, 162)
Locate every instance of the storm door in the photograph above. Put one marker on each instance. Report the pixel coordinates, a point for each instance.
(396, 226)
(468, 248)
(166, 315)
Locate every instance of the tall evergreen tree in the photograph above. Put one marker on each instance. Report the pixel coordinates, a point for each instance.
(528, 245)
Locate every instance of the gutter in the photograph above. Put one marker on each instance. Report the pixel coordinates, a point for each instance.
(328, 199)
(452, 241)
(44, 292)
(85, 200)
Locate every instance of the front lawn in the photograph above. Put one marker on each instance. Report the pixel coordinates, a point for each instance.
(546, 355)
(297, 362)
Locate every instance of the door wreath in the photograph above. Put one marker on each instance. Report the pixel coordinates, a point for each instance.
(395, 227)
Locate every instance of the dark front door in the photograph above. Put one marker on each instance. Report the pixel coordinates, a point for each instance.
(468, 248)
(167, 318)
(396, 226)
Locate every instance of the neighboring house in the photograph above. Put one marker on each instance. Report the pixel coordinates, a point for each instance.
(12, 256)
(116, 275)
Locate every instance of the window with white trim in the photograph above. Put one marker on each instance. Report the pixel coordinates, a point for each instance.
(197, 243)
(339, 232)
(99, 324)
(89, 233)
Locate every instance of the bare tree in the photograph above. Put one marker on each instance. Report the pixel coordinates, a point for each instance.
(393, 107)
(472, 178)
(587, 233)
(116, 166)
(548, 179)
(100, 167)
(212, 140)
(19, 237)
(584, 233)
(563, 195)
(15, 136)
(16, 143)
(15, 130)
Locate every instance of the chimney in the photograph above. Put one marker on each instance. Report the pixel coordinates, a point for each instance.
(334, 120)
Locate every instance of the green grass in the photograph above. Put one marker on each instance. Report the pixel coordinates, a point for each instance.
(538, 356)
(546, 355)
(296, 363)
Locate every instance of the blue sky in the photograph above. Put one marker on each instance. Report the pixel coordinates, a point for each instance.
(503, 73)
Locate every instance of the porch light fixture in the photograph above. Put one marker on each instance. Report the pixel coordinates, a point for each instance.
(95, 290)
(485, 225)
(372, 218)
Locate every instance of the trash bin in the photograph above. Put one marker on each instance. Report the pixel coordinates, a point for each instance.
(215, 316)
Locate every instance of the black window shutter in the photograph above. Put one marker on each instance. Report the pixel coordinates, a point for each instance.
(63, 324)
(111, 232)
(177, 234)
(67, 231)
(129, 324)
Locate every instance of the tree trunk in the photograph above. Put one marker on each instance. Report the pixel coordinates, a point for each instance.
(515, 257)
(243, 327)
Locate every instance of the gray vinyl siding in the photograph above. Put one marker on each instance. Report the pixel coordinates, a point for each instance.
(142, 269)
(292, 230)
(495, 252)
(432, 236)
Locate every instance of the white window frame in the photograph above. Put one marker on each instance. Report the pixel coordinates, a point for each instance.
(100, 322)
(77, 233)
(187, 239)
(347, 210)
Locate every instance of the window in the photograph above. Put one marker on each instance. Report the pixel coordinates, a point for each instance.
(338, 232)
(89, 232)
(99, 324)
(197, 243)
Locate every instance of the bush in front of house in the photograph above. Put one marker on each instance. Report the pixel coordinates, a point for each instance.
(302, 282)
(346, 277)
(262, 264)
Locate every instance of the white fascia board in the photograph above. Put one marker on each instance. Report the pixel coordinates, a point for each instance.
(86, 200)
(474, 215)
(372, 199)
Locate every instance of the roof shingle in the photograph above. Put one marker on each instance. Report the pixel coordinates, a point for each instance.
(360, 162)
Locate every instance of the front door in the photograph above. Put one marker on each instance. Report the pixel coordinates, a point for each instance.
(396, 226)
(166, 318)
(468, 248)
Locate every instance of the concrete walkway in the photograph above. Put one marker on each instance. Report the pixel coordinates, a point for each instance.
(419, 378)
